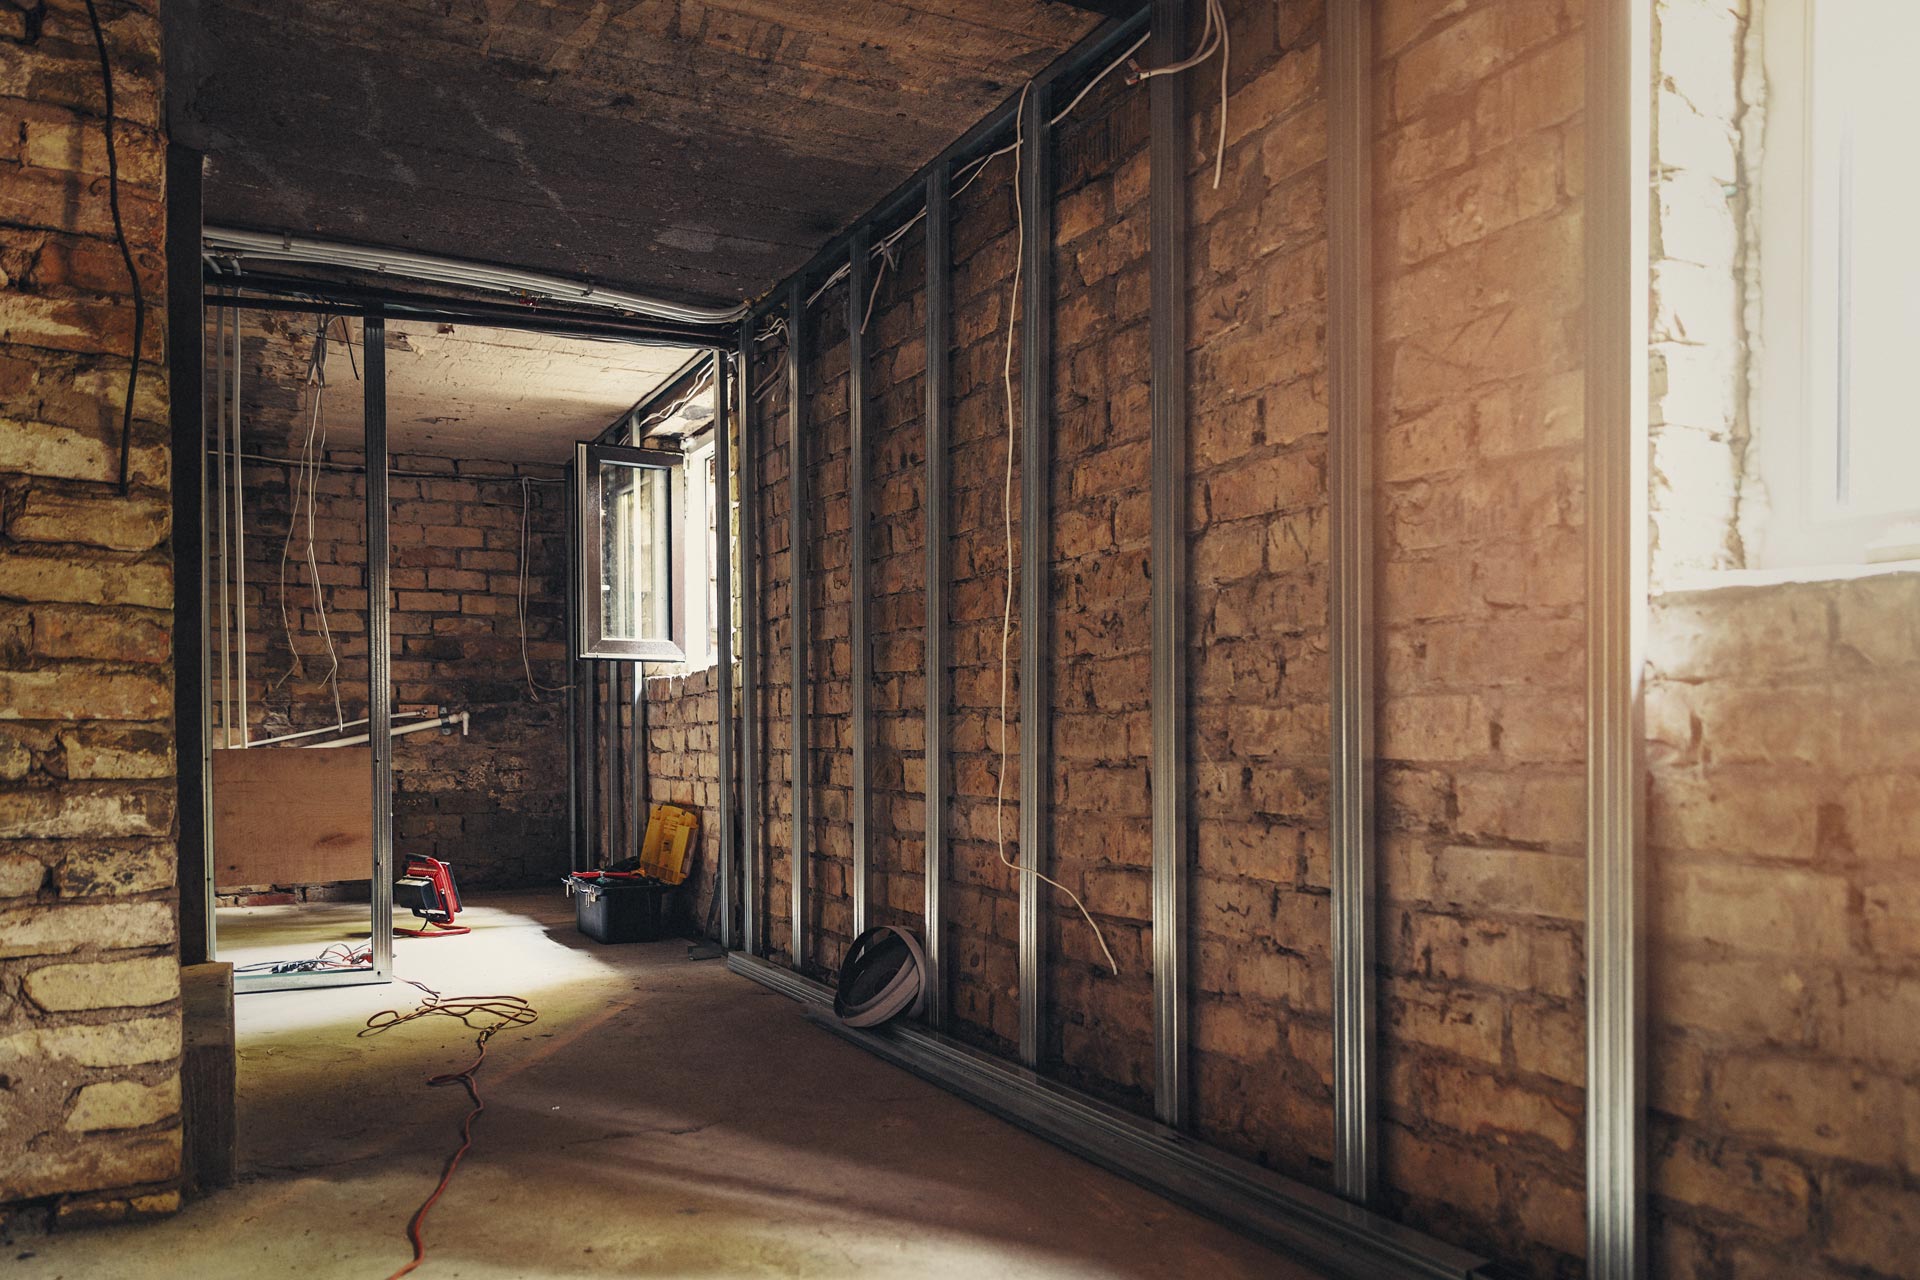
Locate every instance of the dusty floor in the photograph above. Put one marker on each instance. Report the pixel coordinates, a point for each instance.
(663, 1118)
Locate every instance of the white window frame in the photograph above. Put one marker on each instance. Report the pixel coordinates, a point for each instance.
(590, 585)
(696, 539)
(1796, 368)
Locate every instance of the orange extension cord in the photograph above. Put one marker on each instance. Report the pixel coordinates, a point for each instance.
(505, 1011)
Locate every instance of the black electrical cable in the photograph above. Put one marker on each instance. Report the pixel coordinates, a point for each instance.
(126, 251)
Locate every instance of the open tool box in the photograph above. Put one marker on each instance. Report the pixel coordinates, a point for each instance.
(634, 903)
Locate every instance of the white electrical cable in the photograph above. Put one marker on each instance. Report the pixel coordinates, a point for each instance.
(883, 248)
(1006, 611)
(1214, 38)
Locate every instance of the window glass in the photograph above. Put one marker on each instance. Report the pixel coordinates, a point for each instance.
(635, 601)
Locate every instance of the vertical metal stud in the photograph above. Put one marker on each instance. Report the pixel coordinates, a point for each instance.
(723, 634)
(220, 504)
(617, 747)
(1167, 679)
(571, 613)
(748, 468)
(637, 773)
(239, 545)
(858, 639)
(1350, 615)
(379, 635)
(797, 602)
(187, 422)
(1036, 551)
(933, 506)
(1619, 51)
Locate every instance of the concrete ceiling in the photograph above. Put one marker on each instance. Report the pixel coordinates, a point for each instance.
(697, 151)
(452, 390)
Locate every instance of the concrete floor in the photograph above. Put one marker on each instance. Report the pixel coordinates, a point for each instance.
(663, 1118)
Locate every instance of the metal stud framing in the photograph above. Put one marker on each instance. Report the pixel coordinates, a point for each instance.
(723, 632)
(1617, 76)
(861, 675)
(750, 771)
(379, 636)
(1350, 618)
(933, 502)
(1036, 550)
(797, 602)
(575, 862)
(1167, 680)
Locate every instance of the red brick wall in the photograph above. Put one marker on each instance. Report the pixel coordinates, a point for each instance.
(493, 803)
(89, 980)
(1784, 986)
(1481, 738)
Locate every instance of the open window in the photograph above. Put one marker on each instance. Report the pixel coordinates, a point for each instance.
(632, 586)
(1840, 283)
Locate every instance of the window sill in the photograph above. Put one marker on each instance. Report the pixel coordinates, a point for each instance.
(1730, 579)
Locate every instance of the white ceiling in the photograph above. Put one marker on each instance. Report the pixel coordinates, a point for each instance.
(454, 391)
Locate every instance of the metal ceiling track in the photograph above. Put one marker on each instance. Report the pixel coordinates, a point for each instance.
(257, 291)
(510, 282)
(1342, 1239)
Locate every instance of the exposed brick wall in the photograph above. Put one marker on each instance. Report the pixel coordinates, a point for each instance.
(766, 472)
(683, 768)
(896, 551)
(1257, 629)
(89, 979)
(1478, 166)
(493, 803)
(1784, 730)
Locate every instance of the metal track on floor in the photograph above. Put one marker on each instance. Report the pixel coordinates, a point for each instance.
(1314, 1226)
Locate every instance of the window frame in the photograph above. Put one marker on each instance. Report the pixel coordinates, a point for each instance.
(589, 458)
(1796, 375)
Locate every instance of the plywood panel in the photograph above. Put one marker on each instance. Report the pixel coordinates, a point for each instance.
(292, 815)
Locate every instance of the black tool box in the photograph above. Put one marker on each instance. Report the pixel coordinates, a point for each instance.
(615, 908)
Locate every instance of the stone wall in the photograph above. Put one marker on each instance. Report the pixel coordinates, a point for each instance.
(493, 803)
(1784, 753)
(683, 768)
(89, 978)
(1478, 170)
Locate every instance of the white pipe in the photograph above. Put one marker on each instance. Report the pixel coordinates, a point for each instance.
(332, 728)
(435, 723)
(453, 271)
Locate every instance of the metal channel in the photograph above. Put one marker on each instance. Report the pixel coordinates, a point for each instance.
(373, 381)
(1036, 550)
(572, 594)
(1336, 1238)
(933, 504)
(221, 318)
(187, 423)
(590, 761)
(616, 757)
(748, 465)
(723, 634)
(1617, 73)
(640, 776)
(796, 602)
(1167, 678)
(1351, 587)
(859, 619)
(239, 545)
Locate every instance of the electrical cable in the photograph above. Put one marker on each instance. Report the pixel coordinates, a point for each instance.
(1214, 38)
(126, 250)
(505, 1011)
(1006, 611)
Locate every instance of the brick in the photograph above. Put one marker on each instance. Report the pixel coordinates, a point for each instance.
(113, 985)
(123, 1104)
(109, 1044)
(1767, 1194)
(42, 932)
